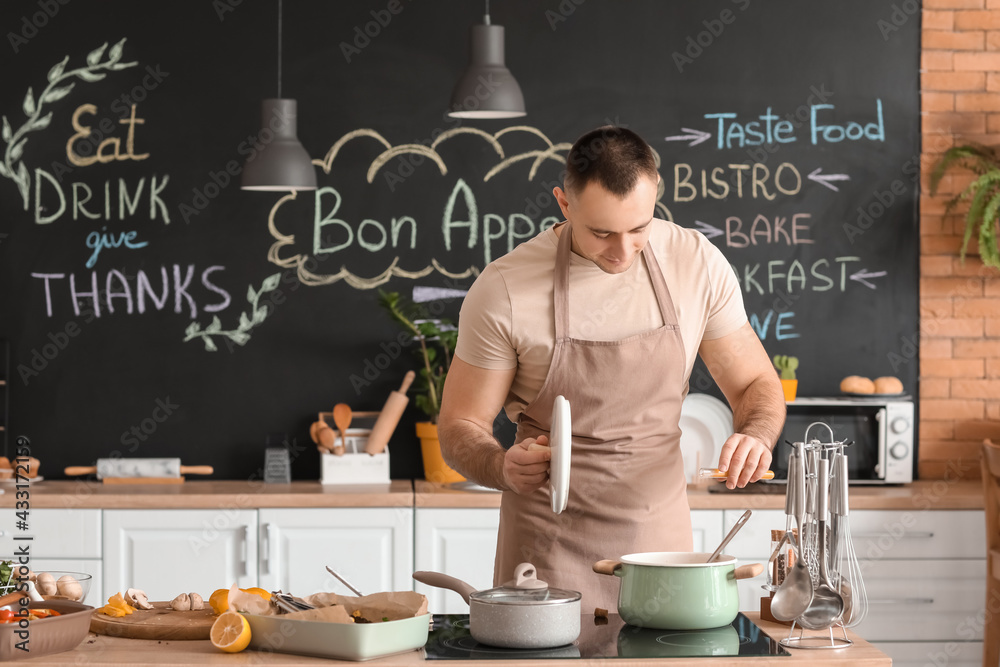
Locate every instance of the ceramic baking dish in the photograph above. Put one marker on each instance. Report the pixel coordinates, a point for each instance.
(341, 641)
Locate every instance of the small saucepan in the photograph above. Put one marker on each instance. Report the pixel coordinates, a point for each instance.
(523, 613)
(677, 590)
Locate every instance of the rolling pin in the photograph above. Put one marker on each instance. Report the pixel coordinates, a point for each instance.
(139, 468)
(389, 417)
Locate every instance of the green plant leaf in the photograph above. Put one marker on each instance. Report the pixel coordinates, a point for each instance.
(7, 133)
(209, 345)
(239, 337)
(215, 326)
(57, 94)
(40, 123)
(4, 171)
(94, 56)
(270, 283)
(90, 76)
(245, 322)
(29, 103)
(18, 149)
(57, 70)
(115, 54)
(192, 330)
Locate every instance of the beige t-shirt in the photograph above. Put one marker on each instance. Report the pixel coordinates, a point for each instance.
(507, 318)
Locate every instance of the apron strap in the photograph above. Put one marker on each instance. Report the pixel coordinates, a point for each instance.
(667, 310)
(560, 294)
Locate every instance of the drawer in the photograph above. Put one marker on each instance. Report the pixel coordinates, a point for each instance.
(911, 600)
(57, 533)
(923, 654)
(881, 534)
(878, 534)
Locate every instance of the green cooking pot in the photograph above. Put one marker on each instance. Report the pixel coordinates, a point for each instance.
(677, 590)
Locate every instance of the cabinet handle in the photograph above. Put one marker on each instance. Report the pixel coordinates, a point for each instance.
(243, 551)
(875, 536)
(265, 548)
(902, 601)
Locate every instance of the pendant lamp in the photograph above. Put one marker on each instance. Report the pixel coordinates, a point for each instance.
(487, 89)
(282, 164)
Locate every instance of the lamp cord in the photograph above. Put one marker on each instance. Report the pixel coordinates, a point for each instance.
(279, 48)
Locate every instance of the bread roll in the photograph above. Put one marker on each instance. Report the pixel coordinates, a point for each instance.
(855, 384)
(888, 385)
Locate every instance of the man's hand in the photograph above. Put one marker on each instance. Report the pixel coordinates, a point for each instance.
(745, 458)
(525, 469)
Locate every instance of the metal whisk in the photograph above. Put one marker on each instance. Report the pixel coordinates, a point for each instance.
(844, 559)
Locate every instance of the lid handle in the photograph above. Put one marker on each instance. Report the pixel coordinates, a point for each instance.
(525, 577)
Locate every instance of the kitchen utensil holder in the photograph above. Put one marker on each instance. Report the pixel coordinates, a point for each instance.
(808, 544)
(355, 465)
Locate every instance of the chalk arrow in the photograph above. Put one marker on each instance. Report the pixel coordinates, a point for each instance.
(423, 294)
(696, 136)
(862, 274)
(824, 179)
(708, 230)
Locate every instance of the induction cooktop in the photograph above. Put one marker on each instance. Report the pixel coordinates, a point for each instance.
(450, 639)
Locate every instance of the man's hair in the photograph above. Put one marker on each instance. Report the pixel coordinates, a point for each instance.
(611, 156)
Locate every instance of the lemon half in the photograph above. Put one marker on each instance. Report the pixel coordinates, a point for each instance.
(230, 632)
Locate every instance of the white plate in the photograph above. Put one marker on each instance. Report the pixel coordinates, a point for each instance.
(13, 480)
(706, 423)
(561, 442)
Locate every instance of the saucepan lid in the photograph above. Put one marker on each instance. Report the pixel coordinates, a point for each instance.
(525, 589)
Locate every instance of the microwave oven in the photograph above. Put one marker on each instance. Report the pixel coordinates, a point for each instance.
(882, 431)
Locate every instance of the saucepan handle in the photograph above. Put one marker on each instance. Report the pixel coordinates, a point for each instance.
(439, 580)
(748, 571)
(607, 566)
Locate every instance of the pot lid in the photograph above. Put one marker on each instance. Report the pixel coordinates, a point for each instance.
(525, 588)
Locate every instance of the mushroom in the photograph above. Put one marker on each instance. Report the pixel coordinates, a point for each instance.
(181, 603)
(69, 587)
(196, 601)
(45, 584)
(137, 598)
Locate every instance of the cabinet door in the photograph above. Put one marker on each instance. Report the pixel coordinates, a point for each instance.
(706, 529)
(56, 533)
(458, 542)
(372, 548)
(752, 545)
(933, 654)
(169, 552)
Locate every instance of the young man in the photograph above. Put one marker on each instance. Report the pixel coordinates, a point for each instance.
(607, 309)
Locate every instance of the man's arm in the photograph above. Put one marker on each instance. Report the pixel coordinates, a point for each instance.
(743, 371)
(472, 398)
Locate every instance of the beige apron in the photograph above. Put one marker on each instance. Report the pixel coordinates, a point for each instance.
(627, 492)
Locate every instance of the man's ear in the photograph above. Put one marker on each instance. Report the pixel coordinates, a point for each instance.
(562, 198)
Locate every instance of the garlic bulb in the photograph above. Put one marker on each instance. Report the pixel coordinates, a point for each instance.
(181, 603)
(196, 602)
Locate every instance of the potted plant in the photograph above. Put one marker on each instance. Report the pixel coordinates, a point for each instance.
(983, 194)
(786, 367)
(436, 340)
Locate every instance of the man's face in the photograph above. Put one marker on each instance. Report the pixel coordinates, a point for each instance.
(609, 231)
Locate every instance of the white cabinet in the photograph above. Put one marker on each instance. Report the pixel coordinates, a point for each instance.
(370, 547)
(67, 540)
(706, 529)
(752, 545)
(458, 542)
(168, 552)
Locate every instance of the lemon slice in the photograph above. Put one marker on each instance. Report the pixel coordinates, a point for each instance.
(230, 632)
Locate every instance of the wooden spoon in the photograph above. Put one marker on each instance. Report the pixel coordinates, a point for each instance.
(342, 418)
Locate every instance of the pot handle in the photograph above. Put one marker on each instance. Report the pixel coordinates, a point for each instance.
(607, 566)
(748, 571)
(439, 580)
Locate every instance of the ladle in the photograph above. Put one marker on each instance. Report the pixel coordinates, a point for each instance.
(795, 593)
(342, 418)
(827, 604)
(732, 533)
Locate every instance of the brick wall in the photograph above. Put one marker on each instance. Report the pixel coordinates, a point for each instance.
(959, 305)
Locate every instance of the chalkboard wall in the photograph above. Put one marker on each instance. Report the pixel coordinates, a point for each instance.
(787, 132)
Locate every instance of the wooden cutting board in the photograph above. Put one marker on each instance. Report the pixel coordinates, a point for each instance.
(156, 623)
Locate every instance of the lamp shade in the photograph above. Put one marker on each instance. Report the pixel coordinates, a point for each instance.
(281, 163)
(487, 89)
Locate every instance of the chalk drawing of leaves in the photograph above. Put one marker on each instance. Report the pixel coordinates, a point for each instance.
(241, 334)
(12, 167)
